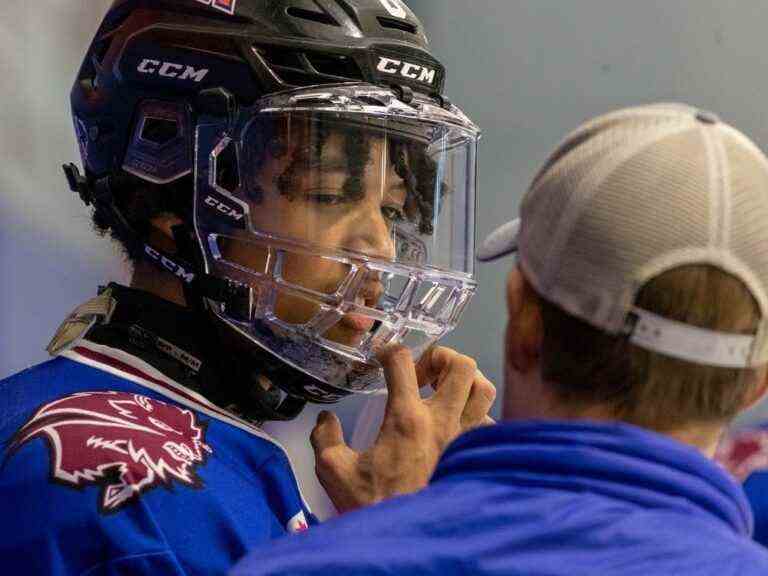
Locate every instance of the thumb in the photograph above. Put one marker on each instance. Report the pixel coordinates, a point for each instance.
(335, 462)
(333, 458)
(327, 433)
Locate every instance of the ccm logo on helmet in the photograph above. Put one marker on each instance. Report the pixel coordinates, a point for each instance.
(407, 70)
(169, 264)
(223, 208)
(171, 70)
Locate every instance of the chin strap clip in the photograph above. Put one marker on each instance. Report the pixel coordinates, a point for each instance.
(78, 183)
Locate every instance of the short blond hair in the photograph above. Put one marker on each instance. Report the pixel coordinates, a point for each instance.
(588, 366)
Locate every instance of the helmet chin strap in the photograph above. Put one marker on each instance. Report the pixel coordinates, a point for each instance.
(257, 398)
(247, 392)
(184, 248)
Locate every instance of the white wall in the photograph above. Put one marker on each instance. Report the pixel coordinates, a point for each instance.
(51, 259)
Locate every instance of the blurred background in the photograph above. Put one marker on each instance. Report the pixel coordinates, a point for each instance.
(526, 71)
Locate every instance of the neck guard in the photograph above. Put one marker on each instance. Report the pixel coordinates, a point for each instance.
(184, 345)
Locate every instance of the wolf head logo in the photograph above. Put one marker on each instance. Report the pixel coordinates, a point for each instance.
(126, 443)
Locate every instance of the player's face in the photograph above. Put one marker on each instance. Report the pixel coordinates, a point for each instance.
(306, 196)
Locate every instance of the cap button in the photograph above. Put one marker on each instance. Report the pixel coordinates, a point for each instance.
(707, 117)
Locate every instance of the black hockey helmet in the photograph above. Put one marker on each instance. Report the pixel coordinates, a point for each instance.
(209, 88)
(174, 49)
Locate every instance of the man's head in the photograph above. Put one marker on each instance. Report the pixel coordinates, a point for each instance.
(297, 170)
(640, 291)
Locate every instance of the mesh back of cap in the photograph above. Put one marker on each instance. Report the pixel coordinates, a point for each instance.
(637, 192)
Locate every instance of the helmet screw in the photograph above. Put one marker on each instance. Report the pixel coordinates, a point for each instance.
(404, 93)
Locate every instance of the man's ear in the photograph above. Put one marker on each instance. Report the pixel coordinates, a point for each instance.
(758, 390)
(524, 325)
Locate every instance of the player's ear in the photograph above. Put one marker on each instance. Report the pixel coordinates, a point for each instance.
(524, 326)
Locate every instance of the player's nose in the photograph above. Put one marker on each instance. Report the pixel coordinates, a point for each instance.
(373, 233)
(373, 289)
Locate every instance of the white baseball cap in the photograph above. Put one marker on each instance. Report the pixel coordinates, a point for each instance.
(635, 193)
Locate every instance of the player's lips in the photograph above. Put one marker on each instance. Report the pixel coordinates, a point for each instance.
(357, 322)
(369, 296)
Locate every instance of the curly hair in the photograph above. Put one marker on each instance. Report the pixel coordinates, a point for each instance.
(409, 159)
(139, 200)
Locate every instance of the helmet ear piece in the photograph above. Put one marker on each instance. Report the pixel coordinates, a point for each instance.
(160, 148)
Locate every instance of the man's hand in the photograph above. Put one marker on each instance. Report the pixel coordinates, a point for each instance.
(414, 432)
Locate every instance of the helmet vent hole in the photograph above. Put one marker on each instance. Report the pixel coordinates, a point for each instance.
(309, 68)
(227, 173)
(334, 65)
(159, 131)
(280, 58)
(319, 17)
(396, 24)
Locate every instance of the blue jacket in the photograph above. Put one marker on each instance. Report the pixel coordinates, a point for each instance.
(543, 498)
(109, 467)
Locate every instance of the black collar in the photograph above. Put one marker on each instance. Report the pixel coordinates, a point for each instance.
(167, 336)
(185, 346)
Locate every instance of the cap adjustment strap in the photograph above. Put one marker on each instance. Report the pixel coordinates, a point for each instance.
(685, 342)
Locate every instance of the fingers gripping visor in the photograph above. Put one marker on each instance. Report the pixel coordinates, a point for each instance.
(349, 216)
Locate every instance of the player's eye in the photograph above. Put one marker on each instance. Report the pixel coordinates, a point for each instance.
(326, 199)
(393, 213)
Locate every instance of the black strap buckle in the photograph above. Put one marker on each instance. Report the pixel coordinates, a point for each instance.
(78, 183)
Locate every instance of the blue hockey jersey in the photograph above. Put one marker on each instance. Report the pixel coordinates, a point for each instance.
(110, 467)
(542, 498)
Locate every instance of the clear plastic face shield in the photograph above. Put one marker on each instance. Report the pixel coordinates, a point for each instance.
(349, 216)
